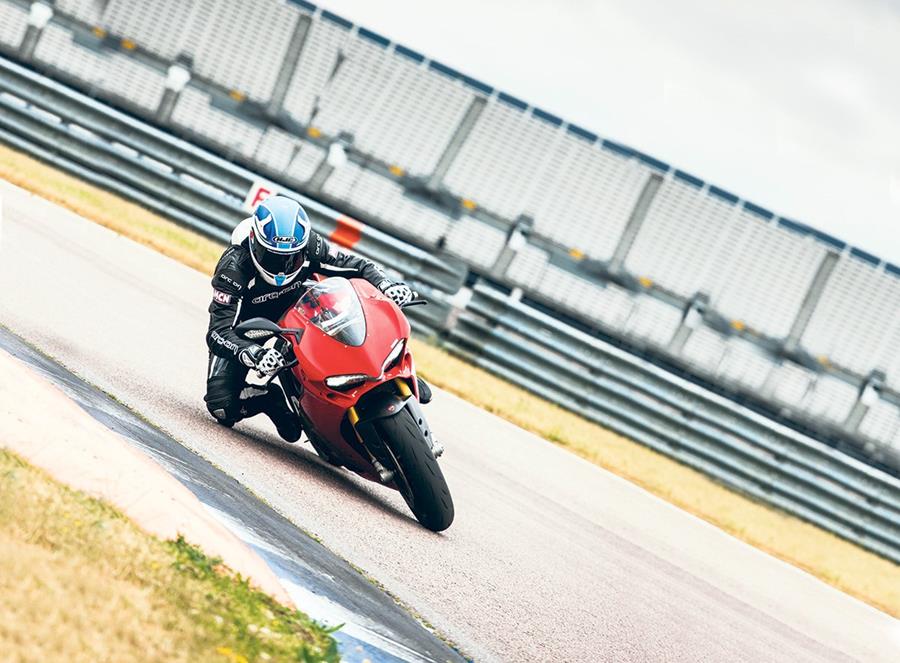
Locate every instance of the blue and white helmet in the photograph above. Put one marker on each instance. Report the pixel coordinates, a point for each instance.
(278, 237)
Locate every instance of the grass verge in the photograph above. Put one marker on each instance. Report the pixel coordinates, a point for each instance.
(832, 559)
(81, 582)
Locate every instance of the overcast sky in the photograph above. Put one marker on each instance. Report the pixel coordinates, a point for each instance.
(793, 104)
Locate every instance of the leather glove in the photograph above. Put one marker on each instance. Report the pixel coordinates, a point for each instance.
(399, 292)
(266, 362)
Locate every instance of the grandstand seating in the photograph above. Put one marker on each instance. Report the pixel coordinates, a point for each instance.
(418, 114)
(767, 275)
(398, 110)
(528, 266)
(305, 162)
(653, 321)
(745, 364)
(403, 110)
(224, 46)
(231, 47)
(13, 22)
(167, 31)
(476, 242)
(791, 385)
(585, 196)
(194, 112)
(118, 74)
(882, 423)
(358, 90)
(831, 399)
(276, 150)
(685, 239)
(504, 160)
(318, 57)
(890, 356)
(855, 315)
(87, 11)
(609, 305)
(385, 199)
(705, 349)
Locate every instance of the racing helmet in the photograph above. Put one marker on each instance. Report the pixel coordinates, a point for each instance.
(278, 237)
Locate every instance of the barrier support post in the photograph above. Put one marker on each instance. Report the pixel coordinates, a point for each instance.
(39, 15)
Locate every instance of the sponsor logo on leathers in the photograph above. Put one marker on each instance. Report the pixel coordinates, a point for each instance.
(231, 281)
(217, 338)
(275, 294)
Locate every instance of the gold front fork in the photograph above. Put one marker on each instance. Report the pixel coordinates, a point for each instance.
(403, 388)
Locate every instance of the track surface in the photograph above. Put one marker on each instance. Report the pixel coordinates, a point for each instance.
(550, 558)
(374, 626)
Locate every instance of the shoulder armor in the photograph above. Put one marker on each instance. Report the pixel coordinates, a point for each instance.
(234, 270)
(242, 231)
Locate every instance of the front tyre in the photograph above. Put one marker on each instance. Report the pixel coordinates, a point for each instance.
(419, 479)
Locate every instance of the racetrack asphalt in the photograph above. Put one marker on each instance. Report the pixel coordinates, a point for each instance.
(549, 559)
(374, 627)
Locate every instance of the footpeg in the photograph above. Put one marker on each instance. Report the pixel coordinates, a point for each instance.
(437, 448)
(384, 474)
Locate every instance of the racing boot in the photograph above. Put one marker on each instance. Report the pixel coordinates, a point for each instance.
(276, 408)
(424, 391)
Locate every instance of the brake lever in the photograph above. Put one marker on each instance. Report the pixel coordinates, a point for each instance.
(416, 302)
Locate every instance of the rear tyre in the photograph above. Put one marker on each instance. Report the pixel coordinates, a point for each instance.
(420, 479)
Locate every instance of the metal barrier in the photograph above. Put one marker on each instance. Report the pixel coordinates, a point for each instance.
(169, 175)
(675, 417)
(730, 443)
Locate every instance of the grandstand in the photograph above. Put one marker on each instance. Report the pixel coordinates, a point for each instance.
(768, 310)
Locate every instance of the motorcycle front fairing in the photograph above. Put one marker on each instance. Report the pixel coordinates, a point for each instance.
(343, 340)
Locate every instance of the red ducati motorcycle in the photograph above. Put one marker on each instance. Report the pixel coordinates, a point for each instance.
(350, 378)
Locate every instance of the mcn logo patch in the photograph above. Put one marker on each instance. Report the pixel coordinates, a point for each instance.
(221, 297)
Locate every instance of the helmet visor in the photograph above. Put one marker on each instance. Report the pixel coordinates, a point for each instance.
(277, 263)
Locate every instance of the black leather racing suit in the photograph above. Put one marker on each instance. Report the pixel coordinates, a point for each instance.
(239, 293)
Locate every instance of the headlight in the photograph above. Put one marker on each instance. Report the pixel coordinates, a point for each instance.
(344, 382)
(395, 354)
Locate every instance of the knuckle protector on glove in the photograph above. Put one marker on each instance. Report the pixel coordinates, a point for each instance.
(400, 293)
(271, 361)
(250, 356)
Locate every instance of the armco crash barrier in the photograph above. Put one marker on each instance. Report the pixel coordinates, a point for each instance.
(735, 446)
(172, 176)
(725, 441)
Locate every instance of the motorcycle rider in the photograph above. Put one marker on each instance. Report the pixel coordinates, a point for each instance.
(261, 274)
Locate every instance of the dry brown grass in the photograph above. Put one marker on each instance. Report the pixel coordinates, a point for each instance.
(838, 562)
(110, 210)
(80, 582)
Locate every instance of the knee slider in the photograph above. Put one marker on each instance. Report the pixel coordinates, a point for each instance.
(223, 404)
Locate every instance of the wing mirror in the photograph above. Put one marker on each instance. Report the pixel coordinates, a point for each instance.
(261, 330)
(258, 329)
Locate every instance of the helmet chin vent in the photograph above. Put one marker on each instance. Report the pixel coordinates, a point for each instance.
(279, 280)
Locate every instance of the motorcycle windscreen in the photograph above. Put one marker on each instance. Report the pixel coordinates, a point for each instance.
(333, 306)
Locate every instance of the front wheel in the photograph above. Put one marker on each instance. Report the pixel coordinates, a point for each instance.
(419, 479)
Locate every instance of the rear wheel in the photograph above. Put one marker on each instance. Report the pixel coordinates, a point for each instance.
(419, 479)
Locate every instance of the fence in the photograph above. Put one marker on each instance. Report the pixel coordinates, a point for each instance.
(635, 398)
